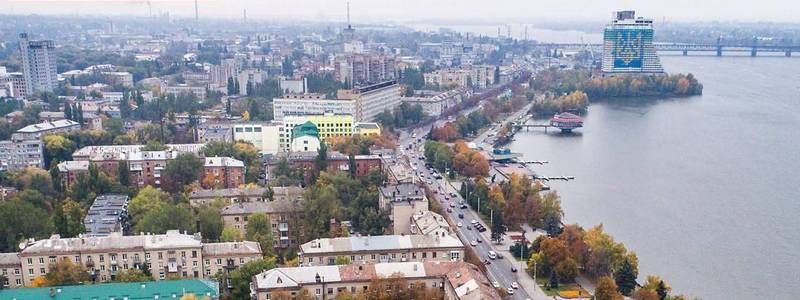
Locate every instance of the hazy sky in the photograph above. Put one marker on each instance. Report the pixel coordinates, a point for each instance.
(372, 11)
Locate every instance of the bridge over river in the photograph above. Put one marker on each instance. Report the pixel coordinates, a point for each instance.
(685, 48)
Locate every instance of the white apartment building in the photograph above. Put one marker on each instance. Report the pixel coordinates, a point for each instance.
(267, 137)
(310, 104)
(373, 99)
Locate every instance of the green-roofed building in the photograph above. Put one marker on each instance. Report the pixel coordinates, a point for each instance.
(305, 137)
(150, 290)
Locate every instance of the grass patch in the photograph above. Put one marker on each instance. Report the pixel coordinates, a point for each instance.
(565, 290)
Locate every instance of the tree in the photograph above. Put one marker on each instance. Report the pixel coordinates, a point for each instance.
(132, 275)
(181, 171)
(625, 278)
(230, 234)
(57, 147)
(167, 217)
(148, 198)
(321, 161)
(323, 200)
(74, 218)
(567, 270)
(550, 208)
(65, 272)
(123, 173)
(242, 276)
(259, 229)
(231, 86)
(553, 280)
(60, 220)
(606, 289)
(21, 220)
(209, 223)
(342, 260)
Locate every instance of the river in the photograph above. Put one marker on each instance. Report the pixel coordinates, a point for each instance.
(704, 189)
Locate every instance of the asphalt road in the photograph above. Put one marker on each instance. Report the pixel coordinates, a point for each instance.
(499, 270)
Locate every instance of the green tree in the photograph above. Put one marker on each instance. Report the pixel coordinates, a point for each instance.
(124, 173)
(259, 229)
(74, 216)
(60, 220)
(133, 275)
(20, 220)
(181, 171)
(625, 278)
(323, 200)
(230, 234)
(148, 199)
(209, 223)
(342, 260)
(242, 276)
(167, 217)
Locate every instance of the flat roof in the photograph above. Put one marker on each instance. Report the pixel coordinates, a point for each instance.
(164, 289)
(379, 243)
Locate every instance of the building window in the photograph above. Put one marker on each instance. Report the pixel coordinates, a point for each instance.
(41, 260)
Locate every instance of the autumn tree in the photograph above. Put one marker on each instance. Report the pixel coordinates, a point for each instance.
(606, 289)
(65, 272)
(132, 275)
(230, 234)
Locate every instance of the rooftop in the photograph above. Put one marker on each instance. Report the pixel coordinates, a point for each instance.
(277, 206)
(48, 126)
(114, 241)
(402, 191)
(73, 165)
(466, 279)
(9, 259)
(379, 243)
(228, 248)
(106, 215)
(251, 192)
(223, 162)
(164, 289)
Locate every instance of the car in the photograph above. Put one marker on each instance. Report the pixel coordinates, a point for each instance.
(499, 256)
(510, 291)
(459, 224)
(460, 215)
(473, 221)
(449, 210)
(479, 240)
(492, 254)
(469, 227)
(514, 269)
(473, 243)
(496, 284)
(515, 285)
(463, 206)
(453, 205)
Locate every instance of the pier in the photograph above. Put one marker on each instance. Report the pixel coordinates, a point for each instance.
(566, 122)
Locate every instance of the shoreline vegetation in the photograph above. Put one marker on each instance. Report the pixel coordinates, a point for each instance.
(567, 250)
(574, 90)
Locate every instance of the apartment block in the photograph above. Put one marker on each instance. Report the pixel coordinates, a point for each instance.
(249, 194)
(11, 269)
(222, 172)
(173, 254)
(25, 149)
(371, 100)
(382, 249)
(39, 63)
(310, 104)
(402, 201)
(284, 216)
(337, 162)
(145, 166)
(456, 280)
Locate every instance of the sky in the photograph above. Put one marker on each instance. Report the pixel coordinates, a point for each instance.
(378, 11)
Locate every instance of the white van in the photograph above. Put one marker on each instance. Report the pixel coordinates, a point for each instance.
(492, 254)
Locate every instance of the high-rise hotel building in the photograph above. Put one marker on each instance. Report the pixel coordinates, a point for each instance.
(628, 46)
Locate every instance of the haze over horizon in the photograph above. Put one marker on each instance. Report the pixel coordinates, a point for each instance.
(371, 11)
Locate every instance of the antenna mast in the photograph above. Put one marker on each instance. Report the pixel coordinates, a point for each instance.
(348, 15)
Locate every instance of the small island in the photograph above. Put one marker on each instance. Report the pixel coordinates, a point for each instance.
(573, 90)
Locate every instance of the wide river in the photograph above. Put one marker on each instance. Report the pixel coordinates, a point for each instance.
(706, 190)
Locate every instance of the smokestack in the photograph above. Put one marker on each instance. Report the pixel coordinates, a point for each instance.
(196, 11)
(244, 16)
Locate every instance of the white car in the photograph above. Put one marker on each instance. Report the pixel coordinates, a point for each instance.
(473, 243)
(459, 224)
(496, 284)
(510, 291)
(515, 285)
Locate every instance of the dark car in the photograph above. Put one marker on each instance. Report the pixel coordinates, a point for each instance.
(460, 215)
(514, 269)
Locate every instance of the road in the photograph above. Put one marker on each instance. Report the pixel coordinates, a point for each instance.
(499, 270)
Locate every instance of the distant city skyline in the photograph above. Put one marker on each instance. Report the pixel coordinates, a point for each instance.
(373, 11)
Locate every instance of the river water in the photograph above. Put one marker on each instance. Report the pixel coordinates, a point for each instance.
(704, 189)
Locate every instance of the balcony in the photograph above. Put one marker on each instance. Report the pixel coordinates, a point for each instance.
(283, 227)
